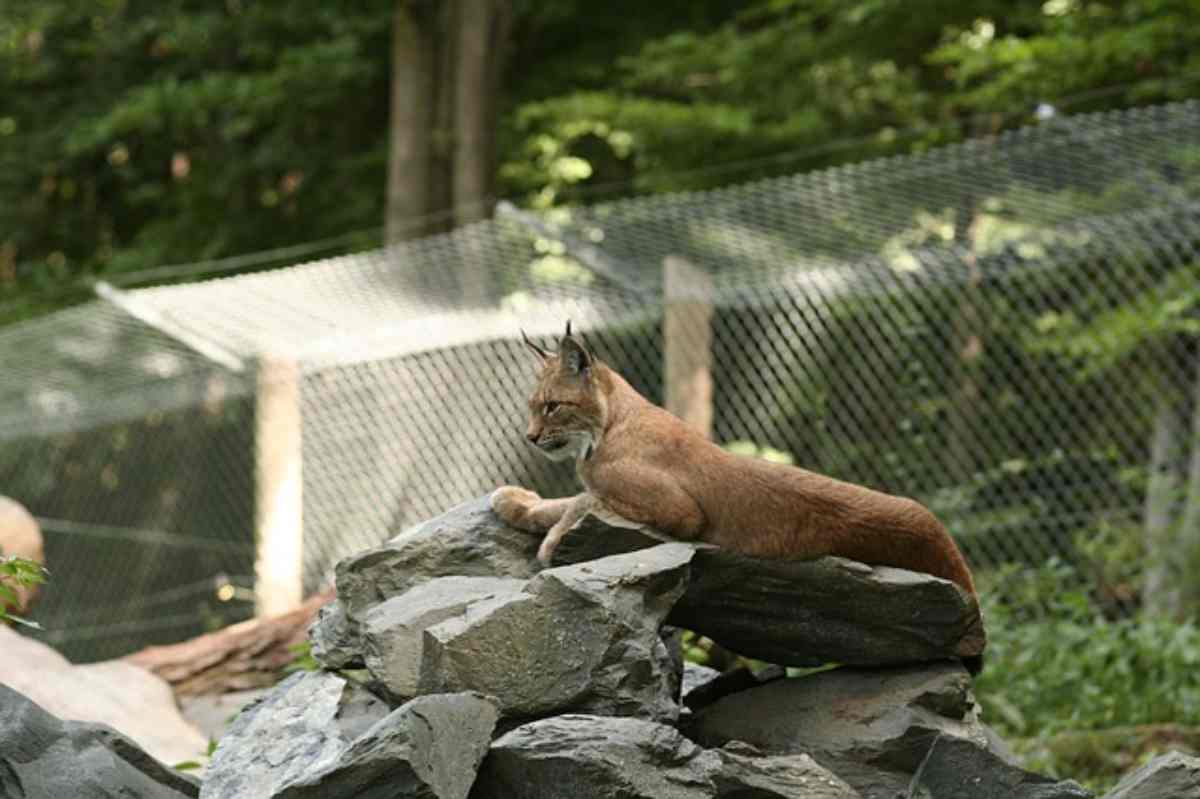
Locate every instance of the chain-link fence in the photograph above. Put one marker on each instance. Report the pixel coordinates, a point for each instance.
(1005, 329)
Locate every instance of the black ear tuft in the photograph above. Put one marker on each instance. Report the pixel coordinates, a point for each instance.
(568, 334)
(573, 355)
(538, 351)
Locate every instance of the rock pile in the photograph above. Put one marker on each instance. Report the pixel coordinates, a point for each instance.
(576, 678)
(453, 668)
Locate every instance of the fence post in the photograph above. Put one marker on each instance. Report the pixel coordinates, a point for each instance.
(279, 528)
(687, 340)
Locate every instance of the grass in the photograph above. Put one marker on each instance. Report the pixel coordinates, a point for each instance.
(1082, 696)
(1100, 758)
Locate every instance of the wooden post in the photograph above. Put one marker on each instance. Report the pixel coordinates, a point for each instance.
(279, 527)
(687, 339)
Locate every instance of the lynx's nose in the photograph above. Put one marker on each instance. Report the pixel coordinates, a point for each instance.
(533, 437)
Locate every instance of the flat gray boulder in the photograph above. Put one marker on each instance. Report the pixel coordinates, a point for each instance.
(44, 757)
(593, 757)
(428, 748)
(466, 541)
(956, 767)
(317, 734)
(828, 610)
(795, 613)
(872, 728)
(302, 726)
(392, 633)
(1172, 775)
(581, 638)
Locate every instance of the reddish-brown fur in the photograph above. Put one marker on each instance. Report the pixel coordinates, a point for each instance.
(644, 465)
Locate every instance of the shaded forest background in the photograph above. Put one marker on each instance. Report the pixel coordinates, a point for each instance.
(135, 135)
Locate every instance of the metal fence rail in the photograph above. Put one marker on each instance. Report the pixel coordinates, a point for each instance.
(1007, 330)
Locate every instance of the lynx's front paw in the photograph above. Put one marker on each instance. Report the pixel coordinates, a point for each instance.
(515, 506)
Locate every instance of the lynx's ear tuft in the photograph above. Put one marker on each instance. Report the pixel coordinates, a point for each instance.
(573, 355)
(538, 351)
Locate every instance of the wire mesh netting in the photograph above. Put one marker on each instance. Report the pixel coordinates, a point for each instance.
(1006, 330)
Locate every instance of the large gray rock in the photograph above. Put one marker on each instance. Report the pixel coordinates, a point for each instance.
(591, 757)
(870, 727)
(805, 613)
(392, 633)
(320, 735)
(956, 768)
(580, 638)
(428, 748)
(796, 613)
(702, 694)
(43, 757)
(305, 723)
(1169, 776)
(466, 541)
(695, 678)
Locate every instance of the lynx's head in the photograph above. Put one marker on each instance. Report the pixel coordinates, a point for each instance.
(567, 409)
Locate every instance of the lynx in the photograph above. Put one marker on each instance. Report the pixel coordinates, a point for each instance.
(642, 467)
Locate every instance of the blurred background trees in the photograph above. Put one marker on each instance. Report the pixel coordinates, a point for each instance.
(137, 134)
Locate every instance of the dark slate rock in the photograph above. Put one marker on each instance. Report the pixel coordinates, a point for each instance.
(44, 757)
(872, 728)
(582, 638)
(468, 541)
(805, 613)
(334, 638)
(304, 724)
(695, 677)
(593, 757)
(1170, 776)
(955, 768)
(392, 633)
(704, 693)
(428, 748)
(796, 613)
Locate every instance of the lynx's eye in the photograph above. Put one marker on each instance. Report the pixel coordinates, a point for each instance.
(549, 408)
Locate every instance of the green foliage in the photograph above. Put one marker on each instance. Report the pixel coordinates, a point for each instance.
(16, 573)
(219, 129)
(1112, 338)
(192, 765)
(1100, 758)
(1055, 664)
(303, 660)
(208, 130)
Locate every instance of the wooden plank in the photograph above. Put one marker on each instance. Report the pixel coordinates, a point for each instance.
(279, 519)
(687, 345)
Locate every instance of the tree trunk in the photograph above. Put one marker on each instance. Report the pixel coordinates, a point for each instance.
(447, 62)
(481, 35)
(410, 154)
(1165, 570)
(444, 22)
(473, 128)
